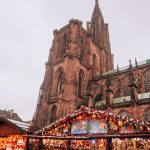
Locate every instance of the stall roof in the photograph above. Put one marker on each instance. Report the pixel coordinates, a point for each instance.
(88, 112)
(23, 126)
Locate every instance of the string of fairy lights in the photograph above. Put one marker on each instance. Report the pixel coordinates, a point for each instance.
(115, 123)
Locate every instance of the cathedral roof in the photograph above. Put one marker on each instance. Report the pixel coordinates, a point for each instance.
(140, 64)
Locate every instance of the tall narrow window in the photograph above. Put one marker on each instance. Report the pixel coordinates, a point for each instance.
(81, 80)
(107, 65)
(53, 114)
(94, 31)
(59, 48)
(64, 45)
(146, 80)
(98, 98)
(65, 41)
(116, 92)
(117, 87)
(94, 64)
(82, 46)
(59, 81)
(125, 85)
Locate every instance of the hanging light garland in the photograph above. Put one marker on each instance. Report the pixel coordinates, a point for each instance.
(115, 121)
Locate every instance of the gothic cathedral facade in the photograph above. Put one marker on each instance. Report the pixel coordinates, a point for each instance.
(80, 71)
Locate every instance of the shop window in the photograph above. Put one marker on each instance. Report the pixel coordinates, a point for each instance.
(146, 80)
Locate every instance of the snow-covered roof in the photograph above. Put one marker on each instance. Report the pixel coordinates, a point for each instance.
(23, 126)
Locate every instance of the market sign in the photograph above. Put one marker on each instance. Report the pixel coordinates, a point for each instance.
(89, 127)
(79, 127)
(20, 145)
(126, 129)
(97, 126)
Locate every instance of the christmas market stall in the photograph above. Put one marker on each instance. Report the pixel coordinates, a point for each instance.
(12, 134)
(93, 129)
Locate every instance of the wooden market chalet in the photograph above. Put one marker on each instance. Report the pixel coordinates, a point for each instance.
(88, 124)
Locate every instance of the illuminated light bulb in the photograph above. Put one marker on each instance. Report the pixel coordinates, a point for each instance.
(148, 128)
(120, 123)
(141, 127)
(93, 141)
(94, 116)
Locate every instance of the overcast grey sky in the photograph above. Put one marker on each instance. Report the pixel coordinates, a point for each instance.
(26, 33)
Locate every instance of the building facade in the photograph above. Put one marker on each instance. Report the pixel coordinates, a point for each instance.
(80, 71)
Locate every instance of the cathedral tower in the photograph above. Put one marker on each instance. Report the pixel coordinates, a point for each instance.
(100, 36)
(75, 57)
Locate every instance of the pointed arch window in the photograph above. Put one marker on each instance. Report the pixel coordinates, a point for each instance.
(126, 87)
(53, 114)
(81, 82)
(146, 80)
(117, 87)
(59, 81)
(117, 91)
(59, 84)
(98, 98)
(64, 44)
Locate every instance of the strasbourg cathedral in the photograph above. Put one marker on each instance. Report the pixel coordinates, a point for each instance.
(80, 71)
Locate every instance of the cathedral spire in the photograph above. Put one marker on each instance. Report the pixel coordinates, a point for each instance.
(96, 1)
(97, 23)
(97, 12)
